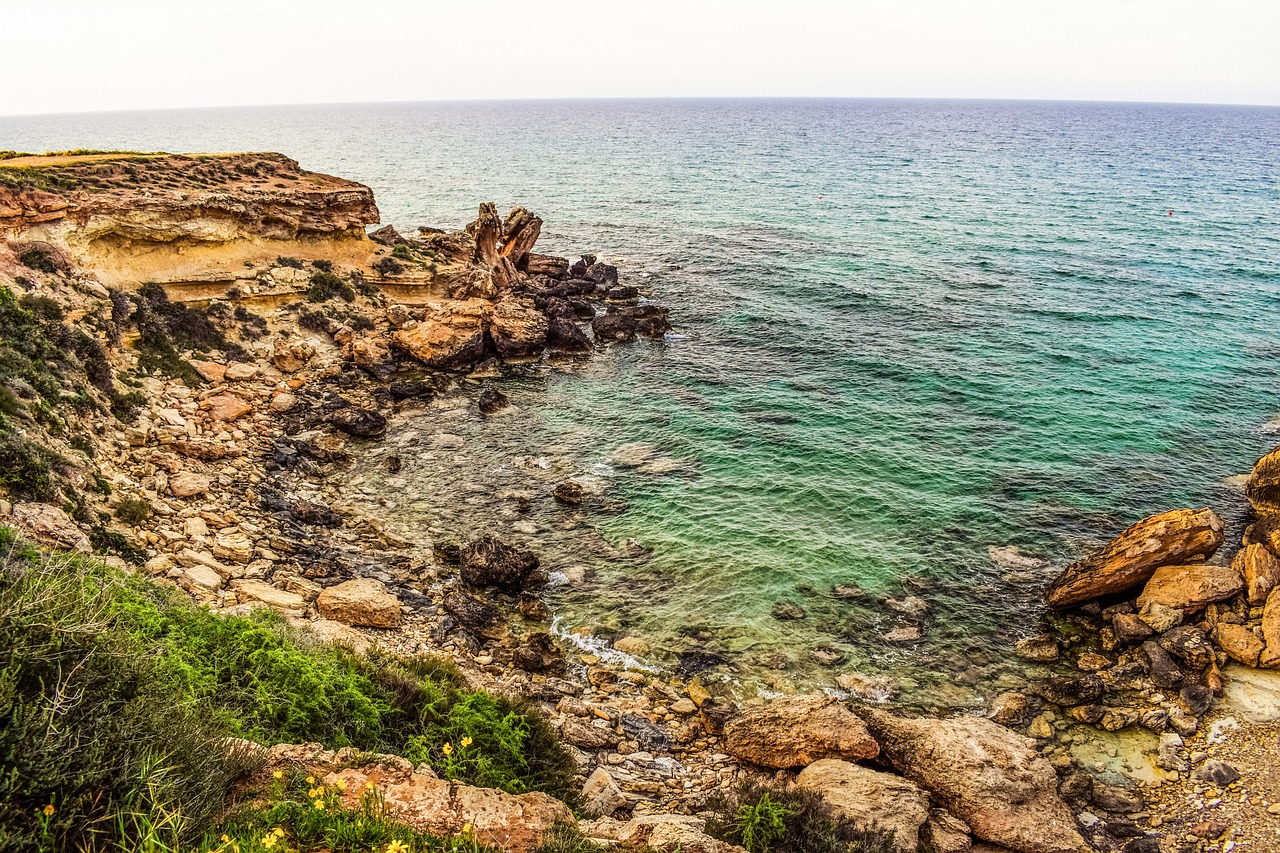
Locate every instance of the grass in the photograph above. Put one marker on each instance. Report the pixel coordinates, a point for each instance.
(117, 693)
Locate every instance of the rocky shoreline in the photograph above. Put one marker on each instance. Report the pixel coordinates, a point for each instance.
(225, 485)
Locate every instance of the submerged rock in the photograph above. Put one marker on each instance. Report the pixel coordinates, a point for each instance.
(796, 731)
(1169, 538)
(492, 401)
(488, 561)
(364, 423)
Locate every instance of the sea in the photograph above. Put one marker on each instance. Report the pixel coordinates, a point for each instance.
(925, 353)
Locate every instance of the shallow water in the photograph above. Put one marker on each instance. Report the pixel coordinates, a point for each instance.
(987, 331)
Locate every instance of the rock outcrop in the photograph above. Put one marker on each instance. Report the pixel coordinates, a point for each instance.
(1190, 588)
(796, 731)
(363, 601)
(869, 800)
(1176, 537)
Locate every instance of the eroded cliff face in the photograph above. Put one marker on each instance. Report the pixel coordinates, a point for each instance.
(135, 218)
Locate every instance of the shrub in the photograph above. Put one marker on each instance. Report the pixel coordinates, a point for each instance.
(323, 265)
(133, 511)
(761, 824)
(291, 263)
(402, 252)
(326, 285)
(388, 266)
(38, 258)
(771, 818)
(29, 471)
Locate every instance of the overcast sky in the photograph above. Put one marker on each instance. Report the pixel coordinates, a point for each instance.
(76, 55)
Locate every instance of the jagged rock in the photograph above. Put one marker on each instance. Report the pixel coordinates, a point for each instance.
(50, 525)
(370, 352)
(869, 800)
(519, 329)
(650, 320)
(1263, 486)
(534, 608)
(646, 733)
(945, 833)
(547, 265)
(614, 326)
(364, 423)
(539, 654)
(492, 401)
(188, 484)
(362, 601)
(227, 407)
(209, 371)
(1260, 570)
(490, 562)
(1217, 772)
(1239, 643)
(1195, 698)
(1129, 628)
(586, 735)
(985, 774)
(319, 515)
(1190, 588)
(1170, 538)
(1189, 645)
(796, 731)
(387, 235)
(564, 335)
(290, 357)
(1043, 647)
(1271, 632)
(520, 231)
(601, 274)
(572, 492)
(1164, 670)
(453, 345)
(1011, 708)
(1160, 617)
(600, 794)
(477, 617)
(1083, 690)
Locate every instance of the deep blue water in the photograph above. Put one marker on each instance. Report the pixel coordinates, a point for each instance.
(910, 330)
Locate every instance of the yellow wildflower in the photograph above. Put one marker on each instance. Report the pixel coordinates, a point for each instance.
(319, 804)
(49, 810)
(278, 832)
(311, 780)
(369, 786)
(397, 847)
(466, 741)
(448, 749)
(466, 829)
(268, 841)
(225, 838)
(279, 774)
(341, 784)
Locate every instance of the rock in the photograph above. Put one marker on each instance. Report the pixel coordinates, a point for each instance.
(455, 344)
(209, 371)
(1043, 647)
(848, 592)
(564, 335)
(1011, 708)
(599, 273)
(1263, 486)
(644, 732)
(205, 451)
(387, 235)
(869, 688)
(200, 577)
(227, 407)
(533, 608)
(634, 646)
(943, 832)
(362, 601)
(492, 401)
(1083, 690)
(51, 526)
(1170, 538)
(1169, 757)
(785, 611)
(1217, 772)
(1160, 617)
(587, 735)
(291, 356)
(1190, 588)
(539, 654)
(1165, 672)
(241, 372)
(265, 593)
(869, 800)
(364, 423)
(601, 795)
(1129, 628)
(187, 484)
(1260, 570)
(796, 731)
(572, 492)
(519, 329)
(548, 265)
(318, 515)
(1239, 643)
(1195, 698)
(666, 833)
(1271, 632)
(1189, 645)
(985, 774)
(491, 562)
(477, 617)
(614, 326)
(329, 631)
(903, 634)
(370, 352)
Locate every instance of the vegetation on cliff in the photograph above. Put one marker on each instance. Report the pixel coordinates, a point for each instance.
(118, 696)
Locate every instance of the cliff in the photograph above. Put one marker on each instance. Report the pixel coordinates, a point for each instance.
(134, 218)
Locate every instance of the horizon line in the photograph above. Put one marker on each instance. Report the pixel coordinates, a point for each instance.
(603, 98)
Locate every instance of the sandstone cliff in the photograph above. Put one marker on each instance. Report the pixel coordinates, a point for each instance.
(134, 218)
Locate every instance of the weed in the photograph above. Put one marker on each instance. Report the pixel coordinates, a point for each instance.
(291, 263)
(388, 266)
(133, 511)
(770, 818)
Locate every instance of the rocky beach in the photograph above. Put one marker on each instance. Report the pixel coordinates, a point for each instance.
(242, 335)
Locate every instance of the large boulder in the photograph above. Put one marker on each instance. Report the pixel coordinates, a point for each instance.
(49, 525)
(796, 731)
(1190, 588)
(455, 343)
(988, 776)
(869, 799)
(1170, 538)
(1263, 486)
(365, 423)
(489, 561)
(1260, 570)
(669, 833)
(1239, 643)
(519, 329)
(364, 602)
(564, 335)
(1271, 632)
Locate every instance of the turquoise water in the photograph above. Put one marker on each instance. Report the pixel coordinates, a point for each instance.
(987, 331)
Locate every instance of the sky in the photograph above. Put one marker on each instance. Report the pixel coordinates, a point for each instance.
(143, 54)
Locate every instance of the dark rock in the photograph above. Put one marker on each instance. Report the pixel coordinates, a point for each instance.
(548, 265)
(1149, 844)
(572, 287)
(406, 390)
(387, 235)
(1195, 698)
(649, 736)
(571, 492)
(1076, 789)
(558, 307)
(614, 326)
(1217, 772)
(785, 611)
(315, 514)
(476, 616)
(622, 295)
(601, 274)
(564, 335)
(1164, 670)
(1116, 799)
(579, 267)
(650, 320)
(1083, 690)
(586, 735)
(1189, 645)
(492, 401)
(1129, 628)
(447, 552)
(364, 423)
(491, 562)
(715, 713)
(539, 654)
(582, 309)
(533, 608)
(394, 464)
(697, 662)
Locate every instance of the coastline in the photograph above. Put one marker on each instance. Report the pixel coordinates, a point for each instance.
(244, 462)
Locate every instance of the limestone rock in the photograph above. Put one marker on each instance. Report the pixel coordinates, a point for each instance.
(985, 774)
(869, 799)
(329, 631)
(241, 372)
(1271, 631)
(227, 407)
(205, 451)
(669, 833)
(1263, 486)
(210, 371)
(1260, 570)
(943, 832)
(586, 735)
(1170, 538)
(548, 265)
(796, 731)
(187, 484)
(265, 593)
(519, 329)
(1190, 588)
(453, 345)
(362, 601)
(370, 352)
(1239, 643)
(601, 795)
(51, 526)
(291, 356)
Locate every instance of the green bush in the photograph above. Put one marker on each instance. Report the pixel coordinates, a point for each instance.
(388, 266)
(29, 471)
(771, 818)
(326, 286)
(133, 511)
(762, 824)
(39, 259)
